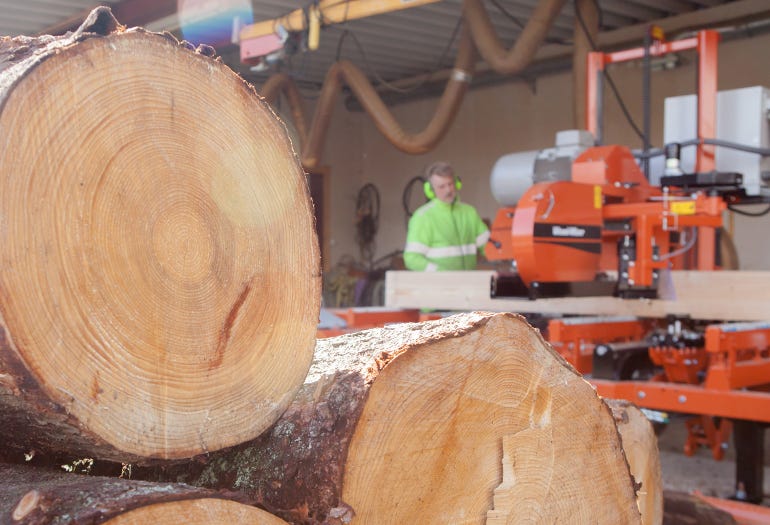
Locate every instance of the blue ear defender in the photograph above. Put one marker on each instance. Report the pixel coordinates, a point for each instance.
(428, 189)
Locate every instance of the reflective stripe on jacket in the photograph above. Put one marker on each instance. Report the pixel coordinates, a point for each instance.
(444, 236)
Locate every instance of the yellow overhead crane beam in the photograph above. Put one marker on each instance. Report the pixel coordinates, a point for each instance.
(259, 39)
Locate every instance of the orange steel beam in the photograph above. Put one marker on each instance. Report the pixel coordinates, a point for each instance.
(375, 316)
(332, 12)
(262, 38)
(576, 338)
(673, 397)
(657, 49)
(707, 97)
(363, 318)
(739, 355)
(705, 43)
(744, 513)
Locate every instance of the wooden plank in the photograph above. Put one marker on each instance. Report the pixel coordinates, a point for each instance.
(719, 295)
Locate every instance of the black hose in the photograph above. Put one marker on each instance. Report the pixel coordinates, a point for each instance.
(606, 74)
(749, 213)
(646, 92)
(367, 220)
(657, 152)
(406, 196)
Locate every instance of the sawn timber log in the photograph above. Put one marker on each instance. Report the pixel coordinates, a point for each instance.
(407, 424)
(159, 270)
(33, 496)
(640, 446)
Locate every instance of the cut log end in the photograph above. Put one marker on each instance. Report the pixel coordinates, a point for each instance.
(641, 449)
(32, 496)
(202, 511)
(478, 399)
(471, 419)
(161, 274)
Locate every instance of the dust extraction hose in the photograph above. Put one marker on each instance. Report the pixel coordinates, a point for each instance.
(478, 29)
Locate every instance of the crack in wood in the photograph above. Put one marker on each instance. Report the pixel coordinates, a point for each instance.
(224, 334)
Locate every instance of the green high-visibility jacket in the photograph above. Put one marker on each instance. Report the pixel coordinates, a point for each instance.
(444, 237)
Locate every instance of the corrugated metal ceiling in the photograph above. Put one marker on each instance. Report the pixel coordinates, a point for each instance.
(387, 47)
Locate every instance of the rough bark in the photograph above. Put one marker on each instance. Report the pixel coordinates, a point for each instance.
(32, 496)
(640, 446)
(159, 281)
(407, 424)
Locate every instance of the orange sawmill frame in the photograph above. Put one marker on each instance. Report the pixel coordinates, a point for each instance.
(748, 405)
(705, 44)
(739, 358)
(576, 338)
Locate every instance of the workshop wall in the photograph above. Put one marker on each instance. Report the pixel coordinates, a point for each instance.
(508, 118)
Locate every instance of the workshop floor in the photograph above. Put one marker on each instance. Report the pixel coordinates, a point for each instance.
(700, 472)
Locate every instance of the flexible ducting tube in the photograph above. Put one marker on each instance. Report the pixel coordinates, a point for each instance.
(344, 71)
(477, 29)
(282, 83)
(490, 48)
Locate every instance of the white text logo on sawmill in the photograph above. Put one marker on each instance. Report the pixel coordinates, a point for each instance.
(568, 231)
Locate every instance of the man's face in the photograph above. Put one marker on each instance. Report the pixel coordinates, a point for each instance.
(444, 187)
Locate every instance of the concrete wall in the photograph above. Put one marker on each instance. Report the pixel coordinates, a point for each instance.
(507, 118)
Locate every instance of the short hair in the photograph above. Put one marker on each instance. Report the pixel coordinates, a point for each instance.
(441, 168)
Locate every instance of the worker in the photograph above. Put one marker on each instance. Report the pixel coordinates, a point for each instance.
(444, 234)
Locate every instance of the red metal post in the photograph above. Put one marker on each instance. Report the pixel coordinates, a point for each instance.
(594, 67)
(707, 98)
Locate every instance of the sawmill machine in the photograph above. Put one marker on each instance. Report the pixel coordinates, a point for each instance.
(587, 219)
(583, 218)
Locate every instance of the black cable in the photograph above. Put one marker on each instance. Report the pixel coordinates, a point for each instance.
(379, 261)
(406, 196)
(601, 13)
(519, 23)
(763, 152)
(367, 220)
(606, 74)
(384, 82)
(750, 213)
(339, 45)
(344, 24)
(646, 95)
(657, 152)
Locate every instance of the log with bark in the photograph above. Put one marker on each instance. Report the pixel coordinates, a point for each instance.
(159, 271)
(32, 496)
(640, 446)
(471, 419)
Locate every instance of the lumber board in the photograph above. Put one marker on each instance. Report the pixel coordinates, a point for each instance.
(718, 295)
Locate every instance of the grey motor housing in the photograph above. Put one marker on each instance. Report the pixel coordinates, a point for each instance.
(513, 174)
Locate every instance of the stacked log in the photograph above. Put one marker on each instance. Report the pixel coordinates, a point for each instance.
(31, 496)
(159, 294)
(641, 449)
(470, 419)
(160, 282)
